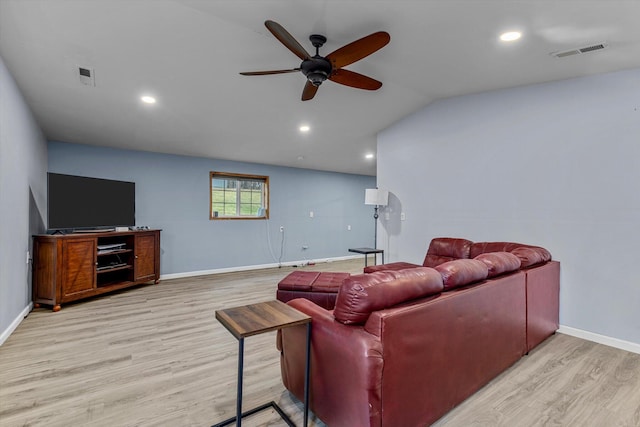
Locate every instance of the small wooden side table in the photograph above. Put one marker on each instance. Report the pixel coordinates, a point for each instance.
(367, 251)
(256, 319)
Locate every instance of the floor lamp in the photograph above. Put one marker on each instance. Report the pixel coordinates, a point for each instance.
(377, 198)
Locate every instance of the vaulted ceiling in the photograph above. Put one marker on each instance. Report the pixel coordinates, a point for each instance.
(188, 54)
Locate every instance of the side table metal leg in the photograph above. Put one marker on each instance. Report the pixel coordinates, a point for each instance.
(306, 377)
(240, 368)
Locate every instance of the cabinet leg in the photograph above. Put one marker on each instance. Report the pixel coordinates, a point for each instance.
(156, 281)
(36, 305)
(56, 307)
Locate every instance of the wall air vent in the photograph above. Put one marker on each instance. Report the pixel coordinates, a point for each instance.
(580, 50)
(87, 75)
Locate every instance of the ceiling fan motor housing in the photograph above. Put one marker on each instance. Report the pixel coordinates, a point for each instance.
(316, 69)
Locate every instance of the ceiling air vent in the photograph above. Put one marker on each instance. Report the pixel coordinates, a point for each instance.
(87, 76)
(580, 50)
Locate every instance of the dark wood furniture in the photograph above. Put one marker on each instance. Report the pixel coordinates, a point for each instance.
(80, 265)
(256, 319)
(367, 251)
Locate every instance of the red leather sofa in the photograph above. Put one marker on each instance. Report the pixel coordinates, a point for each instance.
(403, 347)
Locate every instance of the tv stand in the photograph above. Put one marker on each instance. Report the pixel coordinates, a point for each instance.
(70, 267)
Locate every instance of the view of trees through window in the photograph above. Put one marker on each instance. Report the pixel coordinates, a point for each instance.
(238, 196)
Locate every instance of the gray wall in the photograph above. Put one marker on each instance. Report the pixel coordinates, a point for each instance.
(556, 165)
(23, 165)
(172, 193)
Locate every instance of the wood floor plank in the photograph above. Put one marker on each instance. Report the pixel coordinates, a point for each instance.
(155, 356)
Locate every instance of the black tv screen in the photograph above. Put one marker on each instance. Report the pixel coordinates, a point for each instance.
(78, 202)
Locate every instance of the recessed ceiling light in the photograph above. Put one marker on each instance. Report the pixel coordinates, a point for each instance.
(148, 99)
(510, 36)
(304, 128)
(369, 156)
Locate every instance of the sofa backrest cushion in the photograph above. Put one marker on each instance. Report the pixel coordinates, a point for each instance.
(462, 272)
(499, 262)
(535, 255)
(443, 249)
(362, 294)
(486, 247)
(531, 255)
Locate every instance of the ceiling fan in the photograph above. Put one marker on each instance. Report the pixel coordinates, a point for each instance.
(318, 68)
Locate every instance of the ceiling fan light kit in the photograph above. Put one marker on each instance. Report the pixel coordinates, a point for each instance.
(318, 68)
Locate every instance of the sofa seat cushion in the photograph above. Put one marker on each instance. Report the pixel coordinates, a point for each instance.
(326, 300)
(298, 281)
(362, 294)
(443, 249)
(462, 272)
(499, 262)
(391, 266)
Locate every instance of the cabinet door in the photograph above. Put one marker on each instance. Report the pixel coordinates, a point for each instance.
(145, 257)
(79, 266)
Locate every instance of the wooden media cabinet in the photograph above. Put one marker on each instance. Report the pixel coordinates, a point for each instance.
(69, 267)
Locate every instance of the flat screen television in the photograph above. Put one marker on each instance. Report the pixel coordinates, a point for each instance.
(81, 203)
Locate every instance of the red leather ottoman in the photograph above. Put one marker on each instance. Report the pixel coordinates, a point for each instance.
(320, 288)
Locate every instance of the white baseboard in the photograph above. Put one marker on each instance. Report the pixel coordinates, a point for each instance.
(600, 339)
(12, 327)
(299, 263)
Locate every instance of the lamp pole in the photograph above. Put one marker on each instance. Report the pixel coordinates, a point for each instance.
(377, 198)
(375, 227)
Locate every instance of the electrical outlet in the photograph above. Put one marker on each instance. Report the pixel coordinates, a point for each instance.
(310, 214)
(402, 216)
(282, 228)
(348, 228)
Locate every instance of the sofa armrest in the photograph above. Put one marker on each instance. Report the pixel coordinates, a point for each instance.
(346, 367)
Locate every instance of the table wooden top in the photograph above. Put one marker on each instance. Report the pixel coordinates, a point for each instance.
(254, 319)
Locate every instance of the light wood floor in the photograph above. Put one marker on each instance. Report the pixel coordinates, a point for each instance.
(156, 356)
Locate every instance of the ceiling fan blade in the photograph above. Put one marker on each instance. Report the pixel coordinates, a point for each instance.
(353, 79)
(263, 73)
(309, 91)
(287, 39)
(358, 49)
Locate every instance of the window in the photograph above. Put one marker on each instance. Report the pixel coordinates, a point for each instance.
(237, 196)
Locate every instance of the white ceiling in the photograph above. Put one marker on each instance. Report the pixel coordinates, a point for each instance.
(188, 53)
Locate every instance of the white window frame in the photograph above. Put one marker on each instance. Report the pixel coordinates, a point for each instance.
(262, 211)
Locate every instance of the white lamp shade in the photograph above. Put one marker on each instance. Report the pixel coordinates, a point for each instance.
(375, 196)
